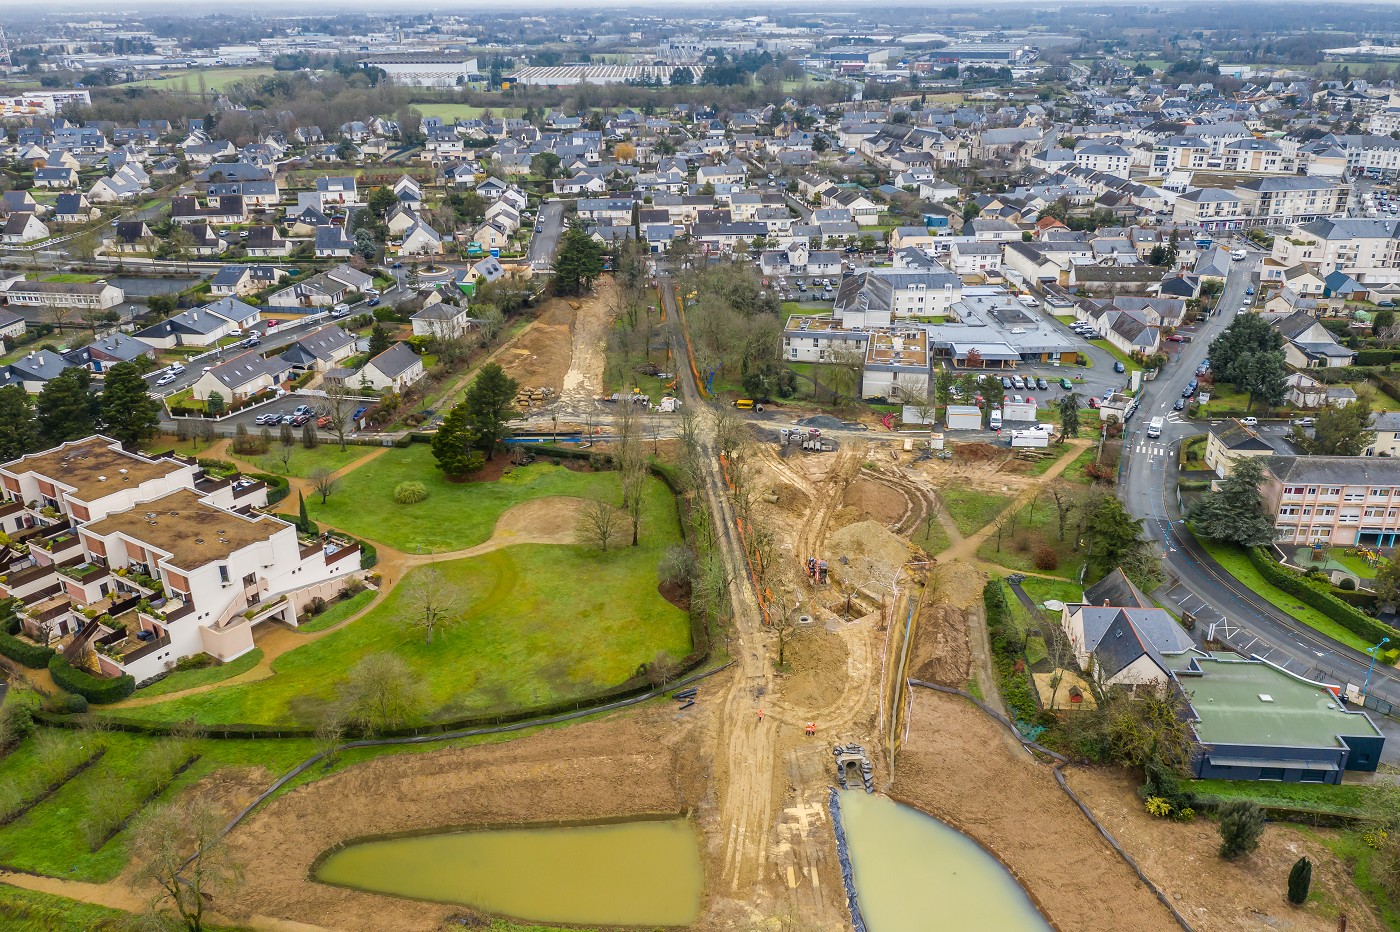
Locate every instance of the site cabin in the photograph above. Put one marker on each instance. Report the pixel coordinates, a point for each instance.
(1012, 411)
(965, 417)
(1030, 438)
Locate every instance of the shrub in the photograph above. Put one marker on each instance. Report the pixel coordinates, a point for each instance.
(1315, 594)
(277, 487)
(1299, 880)
(410, 492)
(1157, 806)
(194, 662)
(353, 586)
(1347, 583)
(1241, 824)
(24, 653)
(217, 467)
(317, 606)
(95, 689)
(1046, 558)
(368, 555)
(74, 704)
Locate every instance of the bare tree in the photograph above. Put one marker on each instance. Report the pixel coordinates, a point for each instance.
(340, 404)
(323, 481)
(662, 669)
(179, 850)
(380, 692)
(632, 461)
(1065, 503)
(430, 603)
(329, 735)
(599, 524)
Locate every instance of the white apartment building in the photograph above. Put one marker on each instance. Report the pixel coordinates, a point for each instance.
(1291, 199)
(875, 297)
(1109, 159)
(1334, 500)
(174, 562)
(1367, 249)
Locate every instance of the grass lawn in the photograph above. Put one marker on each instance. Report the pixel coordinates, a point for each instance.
(970, 510)
(49, 838)
(26, 909)
(1223, 398)
(1074, 472)
(1348, 797)
(1352, 849)
(1192, 452)
(542, 623)
(327, 455)
(166, 443)
(1033, 529)
(338, 612)
(1237, 564)
(187, 79)
(932, 537)
(455, 515)
(188, 679)
(71, 278)
(1117, 354)
(1042, 590)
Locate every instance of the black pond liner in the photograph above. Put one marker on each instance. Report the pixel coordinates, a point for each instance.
(844, 857)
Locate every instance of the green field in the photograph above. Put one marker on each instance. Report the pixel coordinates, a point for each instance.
(1320, 797)
(1033, 529)
(450, 112)
(327, 455)
(1117, 354)
(71, 278)
(971, 510)
(338, 612)
(455, 515)
(541, 623)
(215, 79)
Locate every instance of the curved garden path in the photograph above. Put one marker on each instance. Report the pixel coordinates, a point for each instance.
(549, 520)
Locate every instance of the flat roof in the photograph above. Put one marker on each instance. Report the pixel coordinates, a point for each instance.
(193, 532)
(93, 467)
(1228, 698)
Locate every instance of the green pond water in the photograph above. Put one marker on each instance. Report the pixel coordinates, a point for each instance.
(915, 874)
(625, 873)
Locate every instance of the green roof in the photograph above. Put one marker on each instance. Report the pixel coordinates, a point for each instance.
(1228, 699)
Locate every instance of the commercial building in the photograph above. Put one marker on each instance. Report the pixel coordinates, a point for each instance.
(425, 69)
(149, 560)
(573, 75)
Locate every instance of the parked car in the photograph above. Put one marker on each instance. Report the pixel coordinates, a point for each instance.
(1030, 399)
(1176, 338)
(1187, 392)
(271, 324)
(166, 379)
(1028, 301)
(1304, 421)
(396, 265)
(303, 409)
(254, 340)
(175, 368)
(373, 302)
(1017, 399)
(1093, 403)
(1005, 381)
(1017, 382)
(1179, 404)
(269, 419)
(359, 413)
(1067, 385)
(1250, 421)
(300, 420)
(1119, 367)
(324, 421)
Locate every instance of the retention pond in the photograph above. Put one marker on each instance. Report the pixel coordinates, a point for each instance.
(913, 872)
(623, 873)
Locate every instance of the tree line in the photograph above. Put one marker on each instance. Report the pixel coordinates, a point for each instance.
(71, 407)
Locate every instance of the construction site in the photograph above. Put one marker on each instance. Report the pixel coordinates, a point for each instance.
(857, 558)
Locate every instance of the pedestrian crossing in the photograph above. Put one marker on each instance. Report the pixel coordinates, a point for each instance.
(1151, 449)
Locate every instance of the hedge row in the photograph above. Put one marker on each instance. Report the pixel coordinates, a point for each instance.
(95, 689)
(277, 486)
(1376, 357)
(369, 556)
(22, 652)
(1311, 593)
(1016, 691)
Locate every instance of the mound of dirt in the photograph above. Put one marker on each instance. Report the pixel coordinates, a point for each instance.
(871, 553)
(940, 653)
(978, 451)
(818, 660)
(875, 501)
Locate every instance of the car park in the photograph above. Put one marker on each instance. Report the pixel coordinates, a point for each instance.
(1119, 367)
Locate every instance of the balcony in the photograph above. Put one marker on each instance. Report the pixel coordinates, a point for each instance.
(84, 573)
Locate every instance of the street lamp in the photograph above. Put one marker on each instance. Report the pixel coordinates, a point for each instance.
(1373, 651)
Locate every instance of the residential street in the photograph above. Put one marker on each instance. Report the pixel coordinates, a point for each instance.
(549, 226)
(1201, 585)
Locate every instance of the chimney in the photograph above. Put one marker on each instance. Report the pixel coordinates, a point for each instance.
(1105, 603)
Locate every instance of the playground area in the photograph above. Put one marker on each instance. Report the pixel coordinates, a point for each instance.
(1361, 562)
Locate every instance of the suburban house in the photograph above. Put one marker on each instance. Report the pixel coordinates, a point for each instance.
(227, 210)
(23, 228)
(241, 377)
(114, 532)
(34, 370)
(1230, 440)
(236, 280)
(441, 320)
(325, 289)
(103, 354)
(320, 350)
(421, 240)
(264, 240)
(395, 369)
(1309, 345)
(1121, 638)
(12, 327)
(1386, 425)
(331, 242)
(201, 326)
(81, 295)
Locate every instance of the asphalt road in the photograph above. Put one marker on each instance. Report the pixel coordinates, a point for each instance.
(549, 226)
(1198, 584)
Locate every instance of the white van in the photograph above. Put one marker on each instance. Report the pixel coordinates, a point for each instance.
(995, 422)
(1154, 427)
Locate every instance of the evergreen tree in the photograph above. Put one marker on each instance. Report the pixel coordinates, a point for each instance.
(1241, 824)
(579, 263)
(1236, 513)
(19, 433)
(1249, 355)
(488, 403)
(1339, 431)
(129, 413)
(378, 340)
(1299, 881)
(1114, 536)
(454, 443)
(65, 409)
(1069, 415)
(303, 519)
(214, 404)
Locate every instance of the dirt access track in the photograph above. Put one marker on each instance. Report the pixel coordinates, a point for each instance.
(565, 347)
